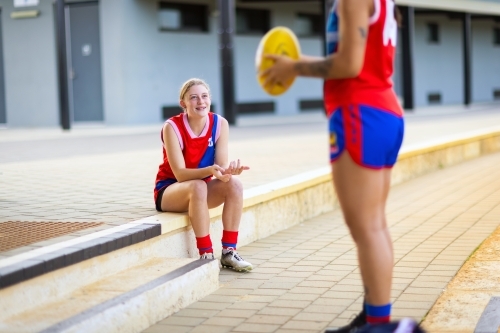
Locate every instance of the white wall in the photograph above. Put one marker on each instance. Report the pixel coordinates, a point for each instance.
(144, 68)
(31, 88)
(485, 61)
(438, 67)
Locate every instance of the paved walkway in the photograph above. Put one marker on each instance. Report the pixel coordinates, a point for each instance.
(306, 278)
(107, 174)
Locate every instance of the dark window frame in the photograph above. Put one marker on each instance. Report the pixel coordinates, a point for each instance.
(496, 36)
(316, 24)
(186, 9)
(433, 33)
(496, 94)
(253, 13)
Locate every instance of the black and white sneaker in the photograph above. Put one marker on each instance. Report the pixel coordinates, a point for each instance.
(207, 256)
(353, 327)
(405, 325)
(231, 259)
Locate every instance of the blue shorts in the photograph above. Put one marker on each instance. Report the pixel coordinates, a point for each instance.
(372, 136)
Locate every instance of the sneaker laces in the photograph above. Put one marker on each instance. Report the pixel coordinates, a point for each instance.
(359, 319)
(234, 254)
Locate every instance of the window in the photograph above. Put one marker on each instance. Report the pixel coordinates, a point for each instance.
(496, 36)
(308, 25)
(183, 17)
(252, 21)
(434, 98)
(496, 94)
(433, 33)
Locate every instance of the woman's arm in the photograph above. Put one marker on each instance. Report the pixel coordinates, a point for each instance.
(178, 165)
(347, 62)
(221, 146)
(222, 155)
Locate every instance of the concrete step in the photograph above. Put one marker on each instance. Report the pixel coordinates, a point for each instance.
(124, 291)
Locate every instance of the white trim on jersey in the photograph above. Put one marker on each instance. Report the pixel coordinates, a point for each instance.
(190, 131)
(376, 15)
(217, 132)
(177, 133)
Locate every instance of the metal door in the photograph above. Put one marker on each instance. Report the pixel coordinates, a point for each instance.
(84, 61)
(3, 113)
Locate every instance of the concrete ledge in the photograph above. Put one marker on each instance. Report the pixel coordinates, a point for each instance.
(279, 205)
(47, 259)
(417, 160)
(114, 273)
(146, 305)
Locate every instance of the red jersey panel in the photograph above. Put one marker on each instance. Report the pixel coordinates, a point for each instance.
(373, 86)
(198, 151)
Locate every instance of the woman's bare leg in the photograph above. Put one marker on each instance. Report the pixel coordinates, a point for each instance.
(231, 195)
(196, 197)
(190, 196)
(362, 194)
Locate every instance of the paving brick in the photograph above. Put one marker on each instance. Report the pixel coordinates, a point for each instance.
(167, 328)
(182, 321)
(259, 298)
(232, 292)
(253, 327)
(268, 292)
(312, 326)
(210, 329)
(223, 321)
(208, 306)
(278, 285)
(314, 308)
(197, 313)
(249, 305)
(279, 311)
(308, 290)
(318, 316)
(317, 284)
(288, 304)
(335, 301)
(221, 298)
(289, 330)
(299, 297)
(268, 319)
(236, 313)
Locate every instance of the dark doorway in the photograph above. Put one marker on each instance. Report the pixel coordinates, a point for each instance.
(84, 61)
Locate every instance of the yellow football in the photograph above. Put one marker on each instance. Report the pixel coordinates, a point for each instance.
(279, 41)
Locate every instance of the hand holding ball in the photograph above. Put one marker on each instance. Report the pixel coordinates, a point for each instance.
(279, 41)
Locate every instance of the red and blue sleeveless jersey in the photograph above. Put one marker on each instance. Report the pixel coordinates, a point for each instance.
(373, 86)
(198, 151)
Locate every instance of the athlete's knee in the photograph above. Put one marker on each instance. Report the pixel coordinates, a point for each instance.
(197, 189)
(368, 230)
(235, 187)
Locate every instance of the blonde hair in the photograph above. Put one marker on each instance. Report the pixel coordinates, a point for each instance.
(190, 83)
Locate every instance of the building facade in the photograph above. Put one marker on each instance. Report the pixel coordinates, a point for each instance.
(121, 62)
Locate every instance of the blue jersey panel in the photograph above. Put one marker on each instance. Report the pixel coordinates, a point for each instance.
(332, 31)
(208, 158)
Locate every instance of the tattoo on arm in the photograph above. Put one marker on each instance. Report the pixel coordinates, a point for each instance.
(363, 33)
(320, 68)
